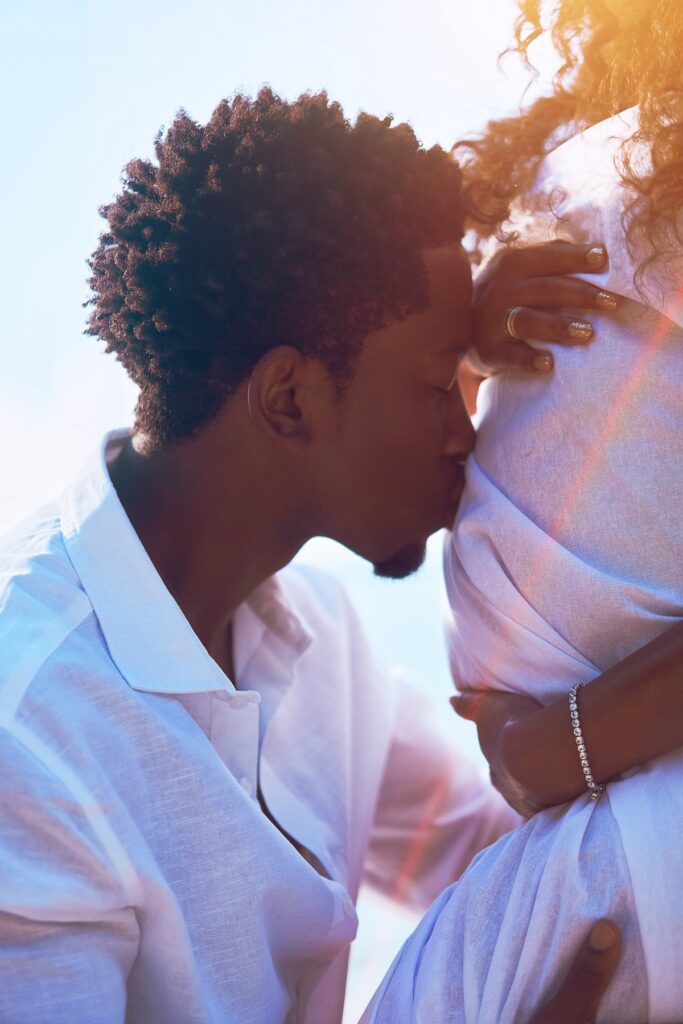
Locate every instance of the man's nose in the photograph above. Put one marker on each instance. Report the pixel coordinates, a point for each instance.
(461, 434)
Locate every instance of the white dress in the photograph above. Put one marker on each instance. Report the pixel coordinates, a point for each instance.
(567, 555)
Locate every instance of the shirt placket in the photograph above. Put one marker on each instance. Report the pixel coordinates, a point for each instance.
(234, 733)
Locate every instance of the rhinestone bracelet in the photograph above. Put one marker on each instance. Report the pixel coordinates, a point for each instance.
(596, 789)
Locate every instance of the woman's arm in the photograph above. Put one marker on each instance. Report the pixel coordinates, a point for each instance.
(629, 715)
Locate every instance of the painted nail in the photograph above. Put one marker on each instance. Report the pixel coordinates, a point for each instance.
(606, 300)
(602, 936)
(596, 255)
(580, 329)
(544, 363)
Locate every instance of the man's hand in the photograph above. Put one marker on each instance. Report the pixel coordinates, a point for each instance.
(518, 296)
(578, 997)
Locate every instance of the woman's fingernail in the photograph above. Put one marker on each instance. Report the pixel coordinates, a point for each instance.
(596, 255)
(606, 300)
(543, 363)
(580, 329)
(602, 937)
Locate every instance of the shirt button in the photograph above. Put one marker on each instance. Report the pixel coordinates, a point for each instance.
(246, 785)
(347, 904)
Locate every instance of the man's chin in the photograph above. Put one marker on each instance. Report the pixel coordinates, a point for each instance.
(404, 563)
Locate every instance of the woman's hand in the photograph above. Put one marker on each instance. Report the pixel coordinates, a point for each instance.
(518, 296)
(629, 715)
(494, 712)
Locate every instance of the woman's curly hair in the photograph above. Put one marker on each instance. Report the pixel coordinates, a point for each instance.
(606, 68)
(274, 223)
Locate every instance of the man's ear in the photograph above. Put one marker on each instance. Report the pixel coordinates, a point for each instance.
(279, 393)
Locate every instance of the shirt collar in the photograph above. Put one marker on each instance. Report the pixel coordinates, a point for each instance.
(149, 639)
(270, 605)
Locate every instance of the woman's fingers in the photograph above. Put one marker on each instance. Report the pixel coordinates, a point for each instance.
(552, 258)
(520, 356)
(514, 301)
(525, 323)
(510, 355)
(522, 322)
(562, 293)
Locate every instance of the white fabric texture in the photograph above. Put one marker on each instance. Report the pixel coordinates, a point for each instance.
(139, 877)
(566, 556)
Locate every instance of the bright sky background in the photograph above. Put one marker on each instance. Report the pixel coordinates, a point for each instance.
(87, 84)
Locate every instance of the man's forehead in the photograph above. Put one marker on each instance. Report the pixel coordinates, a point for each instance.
(440, 332)
(450, 293)
(450, 276)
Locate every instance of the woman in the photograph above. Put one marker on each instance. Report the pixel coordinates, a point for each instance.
(566, 555)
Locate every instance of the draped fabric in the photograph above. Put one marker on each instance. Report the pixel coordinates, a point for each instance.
(567, 555)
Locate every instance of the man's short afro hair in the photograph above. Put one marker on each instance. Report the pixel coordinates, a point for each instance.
(274, 224)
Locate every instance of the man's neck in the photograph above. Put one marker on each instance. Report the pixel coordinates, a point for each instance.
(214, 529)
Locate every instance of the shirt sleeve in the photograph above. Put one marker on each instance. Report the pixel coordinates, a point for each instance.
(435, 809)
(68, 936)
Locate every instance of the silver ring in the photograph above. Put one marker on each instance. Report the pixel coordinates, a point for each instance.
(510, 321)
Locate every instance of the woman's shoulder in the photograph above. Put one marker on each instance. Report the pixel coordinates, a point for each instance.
(595, 140)
(580, 195)
(586, 168)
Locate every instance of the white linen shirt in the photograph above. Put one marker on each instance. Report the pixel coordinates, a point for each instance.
(139, 878)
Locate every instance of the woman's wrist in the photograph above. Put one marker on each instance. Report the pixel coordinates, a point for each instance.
(630, 714)
(538, 754)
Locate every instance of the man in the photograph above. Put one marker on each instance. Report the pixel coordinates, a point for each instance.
(200, 759)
